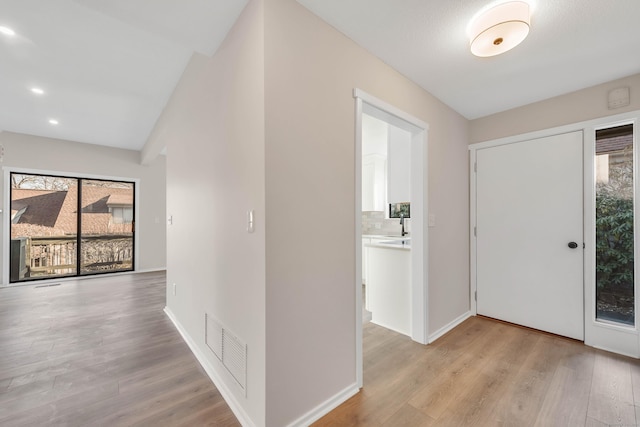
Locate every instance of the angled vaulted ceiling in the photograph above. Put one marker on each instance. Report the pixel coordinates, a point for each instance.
(107, 67)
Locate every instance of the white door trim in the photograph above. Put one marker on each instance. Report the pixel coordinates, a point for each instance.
(614, 338)
(365, 103)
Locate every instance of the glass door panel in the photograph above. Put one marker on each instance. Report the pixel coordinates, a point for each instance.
(48, 237)
(44, 227)
(614, 225)
(107, 226)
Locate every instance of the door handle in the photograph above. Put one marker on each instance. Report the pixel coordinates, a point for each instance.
(572, 245)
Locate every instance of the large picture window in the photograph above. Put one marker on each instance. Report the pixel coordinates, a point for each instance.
(69, 226)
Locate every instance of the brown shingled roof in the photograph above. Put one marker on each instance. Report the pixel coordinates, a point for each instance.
(22, 230)
(120, 199)
(67, 219)
(615, 144)
(42, 206)
(55, 211)
(95, 211)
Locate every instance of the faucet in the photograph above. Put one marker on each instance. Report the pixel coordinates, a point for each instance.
(404, 233)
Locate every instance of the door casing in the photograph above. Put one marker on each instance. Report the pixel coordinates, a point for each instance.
(614, 338)
(419, 207)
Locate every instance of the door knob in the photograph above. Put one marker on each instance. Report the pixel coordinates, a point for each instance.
(572, 245)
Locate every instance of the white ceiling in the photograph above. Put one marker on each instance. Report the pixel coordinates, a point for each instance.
(572, 44)
(109, 67)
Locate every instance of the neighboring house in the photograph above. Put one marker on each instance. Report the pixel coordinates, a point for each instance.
(34, 212)
(54, 213)
(613, 151)
(44, 230)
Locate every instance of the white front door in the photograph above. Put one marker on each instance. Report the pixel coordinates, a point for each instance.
(529, 244)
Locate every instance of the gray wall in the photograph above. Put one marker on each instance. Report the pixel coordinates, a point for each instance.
(268, 124)
(574, 107)
(214, 129)
(311, 71)
(73, 158)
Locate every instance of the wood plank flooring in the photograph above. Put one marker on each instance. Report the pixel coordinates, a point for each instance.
(489, 373)
(100, 352)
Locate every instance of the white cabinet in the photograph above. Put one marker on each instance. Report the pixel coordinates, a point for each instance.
(389, 288)
(367, 268)
(398, 166)
(365, 242)
(374, 182)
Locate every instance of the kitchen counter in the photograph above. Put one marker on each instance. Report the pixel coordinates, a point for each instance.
(387, 236)
(389, 242)
(389, 285)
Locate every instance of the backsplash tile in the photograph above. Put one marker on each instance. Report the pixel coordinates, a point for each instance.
(374, 222)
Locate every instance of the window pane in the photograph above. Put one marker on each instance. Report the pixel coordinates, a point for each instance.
(614, 225)
(43, 226)
(107, 226)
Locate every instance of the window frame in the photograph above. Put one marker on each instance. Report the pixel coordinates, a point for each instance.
(6, 269)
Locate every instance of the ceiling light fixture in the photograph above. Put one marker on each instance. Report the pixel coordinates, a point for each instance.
(499, 29)
(53, 122)
(7, 31)
(37, 91)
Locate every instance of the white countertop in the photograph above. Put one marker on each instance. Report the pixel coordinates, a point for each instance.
(392, 243)
(386, 236)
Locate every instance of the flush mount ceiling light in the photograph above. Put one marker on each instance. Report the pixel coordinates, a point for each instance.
(53, 122)
(7, 31)
(499, 29)
(37, 91)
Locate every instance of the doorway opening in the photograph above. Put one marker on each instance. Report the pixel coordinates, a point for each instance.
(394, 204)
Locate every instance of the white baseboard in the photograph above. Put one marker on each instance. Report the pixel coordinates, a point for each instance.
(375, 322)
(76, 278)
(151, 270)
(449, 326)
(615, 351)
(324, 408)
(226, 393)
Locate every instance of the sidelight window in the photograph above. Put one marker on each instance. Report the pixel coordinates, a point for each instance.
(614, 161)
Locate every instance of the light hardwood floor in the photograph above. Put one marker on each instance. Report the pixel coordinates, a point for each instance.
(488, 373)
(100, 352)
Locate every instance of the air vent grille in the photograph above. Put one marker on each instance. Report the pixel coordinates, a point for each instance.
(228, 348)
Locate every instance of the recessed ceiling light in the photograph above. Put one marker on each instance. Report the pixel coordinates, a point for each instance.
(7, 31)
(53, 122)
(37, 91)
